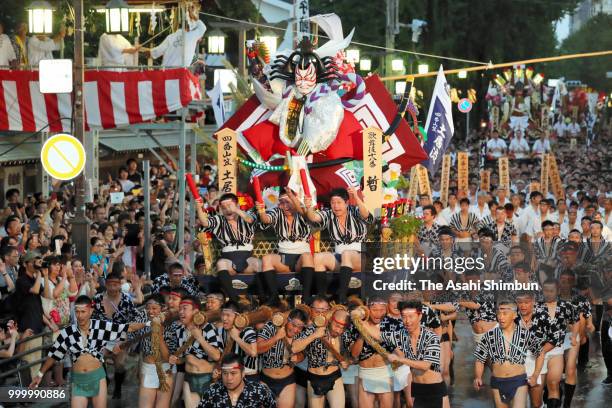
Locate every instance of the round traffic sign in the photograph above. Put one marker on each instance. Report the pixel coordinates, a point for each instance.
(464, 105)
(63, 156)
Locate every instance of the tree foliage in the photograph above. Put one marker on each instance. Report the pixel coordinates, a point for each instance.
(595, 35)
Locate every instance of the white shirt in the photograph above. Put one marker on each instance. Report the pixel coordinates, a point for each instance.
(559, 129)
(566, 228)
(172, 47)
(496, 148)
(40, 49)
(528, 217)
(540, 147)
(7, 52)
(480, 214)
(448, 212)
(520, 148)
(572, 129)
(110, 50)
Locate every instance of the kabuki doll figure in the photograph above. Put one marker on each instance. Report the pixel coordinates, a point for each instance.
(309, 111)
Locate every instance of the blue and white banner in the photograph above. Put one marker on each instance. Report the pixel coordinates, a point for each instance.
(216, 100)
(439, 125)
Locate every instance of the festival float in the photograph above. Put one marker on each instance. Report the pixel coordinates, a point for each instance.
(314, 124)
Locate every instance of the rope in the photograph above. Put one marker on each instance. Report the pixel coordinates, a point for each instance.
(503, 65)
(156, 334)
(379, 47)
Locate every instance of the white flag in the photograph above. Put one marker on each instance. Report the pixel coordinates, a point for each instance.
(216, 99)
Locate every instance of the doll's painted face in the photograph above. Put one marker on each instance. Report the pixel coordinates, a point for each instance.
(305, 79)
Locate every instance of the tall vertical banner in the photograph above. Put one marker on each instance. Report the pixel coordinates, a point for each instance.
(302, 16)
(226, 161)
(485, 180)
(446, 163)
(216, 100)
(423, 176)
(504, 173)
(414, 184)
(439, 125)
(545, 166)
(495, 117)
(462, 172)
(372, 169)
(555, 177)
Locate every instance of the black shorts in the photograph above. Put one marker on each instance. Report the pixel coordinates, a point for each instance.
(180, 368)
(444, 337)
(290, 260)
(322, 384)
(428, 395)
(238, 259)
(301, 376)
(277, 385)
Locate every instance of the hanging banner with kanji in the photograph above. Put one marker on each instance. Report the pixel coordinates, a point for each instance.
(226, 161)
(372, 169)
(446, 164)
(462, 172)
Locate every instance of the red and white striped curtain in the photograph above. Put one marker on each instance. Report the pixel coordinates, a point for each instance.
(112, 99)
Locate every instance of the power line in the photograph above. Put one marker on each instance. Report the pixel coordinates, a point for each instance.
(380, 47)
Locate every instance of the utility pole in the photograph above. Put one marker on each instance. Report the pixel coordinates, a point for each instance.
(80, 223)
(391, 30)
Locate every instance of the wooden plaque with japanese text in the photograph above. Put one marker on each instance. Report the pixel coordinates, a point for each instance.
(446, 163)
(544, 174)
(372, 169)
(504, 173)
(423, 176)
(226, 161)
(463, 172)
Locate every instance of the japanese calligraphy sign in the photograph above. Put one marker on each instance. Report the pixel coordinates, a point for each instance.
(423, 177)
(302, 15)
(485, 180)
(226, 161)
(495, 117)
(555, 178)
(544, 174)
(446, 163)
(414, 184)
(462, 172)
(504, 173)
(372, 168)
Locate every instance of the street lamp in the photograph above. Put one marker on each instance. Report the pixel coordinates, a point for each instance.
(397, 65)
(40, 17)
(400, 87)
(117, 17)
(462, 74)
(365, 64)
(352, 55)
(216, 42)
(423, 68)
(268, 38)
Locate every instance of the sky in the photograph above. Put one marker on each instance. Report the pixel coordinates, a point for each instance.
(562, 28)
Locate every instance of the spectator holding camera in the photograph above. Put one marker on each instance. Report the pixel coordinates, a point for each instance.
(30, 311)
(9, 259)
(8, 336)
(161, 250)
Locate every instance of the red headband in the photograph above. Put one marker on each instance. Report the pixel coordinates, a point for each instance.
(338, 322)
(189, 302)
(236, 366)
(178, 295)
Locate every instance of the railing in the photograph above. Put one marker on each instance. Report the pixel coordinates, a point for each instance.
(21, 364)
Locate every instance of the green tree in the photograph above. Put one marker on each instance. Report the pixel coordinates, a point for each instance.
(595, 35)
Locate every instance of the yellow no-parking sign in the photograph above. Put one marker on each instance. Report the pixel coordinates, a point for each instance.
(63, 156)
